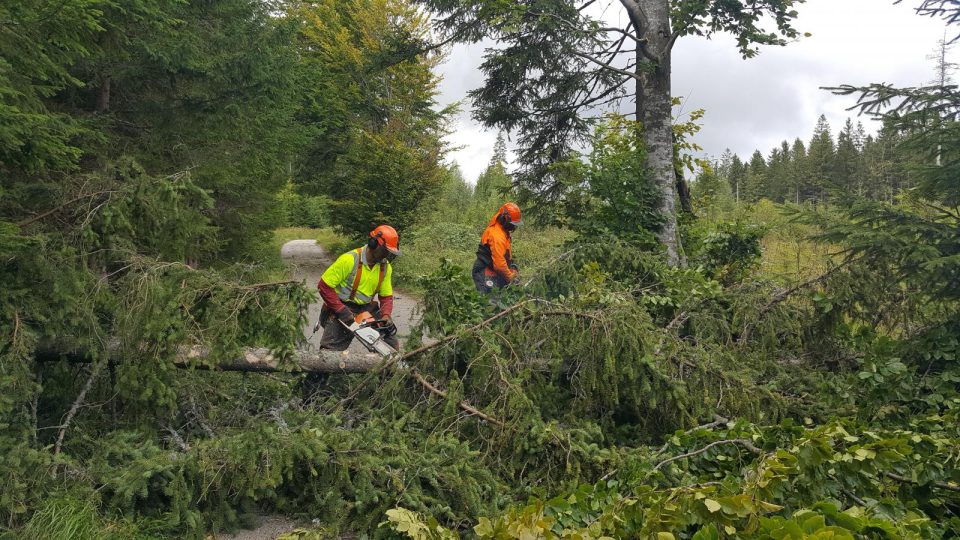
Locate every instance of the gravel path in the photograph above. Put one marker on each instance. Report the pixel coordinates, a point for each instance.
(307, 261)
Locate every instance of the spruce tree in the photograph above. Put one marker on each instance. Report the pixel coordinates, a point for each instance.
(34, 136)
(909, 241)
(820, 163)
(799, 171)
(722, 165)
(847, 160)
(755, 184)
(779, 172)
(494, 182)
(737, 177)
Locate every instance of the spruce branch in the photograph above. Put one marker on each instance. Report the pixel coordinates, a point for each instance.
(787, 293)
(390, 362)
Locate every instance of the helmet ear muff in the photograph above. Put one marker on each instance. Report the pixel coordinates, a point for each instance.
(375, 241)
(504, 218)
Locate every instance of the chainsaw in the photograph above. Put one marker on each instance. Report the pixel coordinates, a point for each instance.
(370, 332)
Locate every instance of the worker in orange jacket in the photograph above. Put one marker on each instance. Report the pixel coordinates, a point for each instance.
(494, 267)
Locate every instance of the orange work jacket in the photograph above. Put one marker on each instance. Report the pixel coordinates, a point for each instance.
(495, 251)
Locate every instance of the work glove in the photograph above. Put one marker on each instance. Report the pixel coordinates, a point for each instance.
(345, 316)
(389, 327)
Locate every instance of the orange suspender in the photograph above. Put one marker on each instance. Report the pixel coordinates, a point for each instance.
(359, 271)
(383, 272)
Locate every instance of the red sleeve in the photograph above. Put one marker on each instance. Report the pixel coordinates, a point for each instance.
(330, 297)
(386, 306)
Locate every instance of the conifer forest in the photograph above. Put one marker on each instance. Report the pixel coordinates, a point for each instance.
(758, 346)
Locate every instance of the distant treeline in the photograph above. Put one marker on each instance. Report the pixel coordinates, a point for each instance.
(853, 163)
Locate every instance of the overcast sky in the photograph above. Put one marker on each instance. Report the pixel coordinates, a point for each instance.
(755, 104)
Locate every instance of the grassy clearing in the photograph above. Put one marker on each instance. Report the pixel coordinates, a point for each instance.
(788, 253)
(789, 256)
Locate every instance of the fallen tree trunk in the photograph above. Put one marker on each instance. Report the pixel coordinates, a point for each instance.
(251, 359)
(260, 359)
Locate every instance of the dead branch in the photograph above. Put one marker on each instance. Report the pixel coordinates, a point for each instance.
(268, 285)
(76, 405)
(742, 442)
(463, 404)
(52, 211)
(717, 421)
(176, 438)
(198, 417)
(905, 480)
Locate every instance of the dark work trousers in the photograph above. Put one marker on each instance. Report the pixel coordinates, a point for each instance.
(337, 338)
(486, 283)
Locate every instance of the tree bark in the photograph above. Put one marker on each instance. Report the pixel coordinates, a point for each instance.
(252, 359)
(654, 110)
(103, 95)
(261, 360)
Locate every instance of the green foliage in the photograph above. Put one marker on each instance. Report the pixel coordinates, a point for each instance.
(298, 210)
(373, 148)
(708, 18)
(494, 181)
(33, 135)
(730, 251)
(751, 494)
(684, 148)
(311, 465)
(143, 159)
(455, 201)
(609, 192)
(411, 524)
(382, 179)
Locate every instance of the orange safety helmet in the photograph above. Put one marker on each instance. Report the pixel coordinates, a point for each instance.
(385, 235)
(509, 213)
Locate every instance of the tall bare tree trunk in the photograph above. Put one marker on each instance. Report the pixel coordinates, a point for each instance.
(103, 95)
(654, 109)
